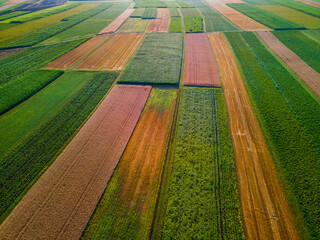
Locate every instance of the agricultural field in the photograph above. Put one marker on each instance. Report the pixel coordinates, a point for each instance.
(160, 119)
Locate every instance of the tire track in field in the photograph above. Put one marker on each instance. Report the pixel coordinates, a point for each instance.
(266, 212)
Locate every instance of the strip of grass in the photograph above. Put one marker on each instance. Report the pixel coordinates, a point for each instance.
(175, 25)
(21, 88)
(306, 48)
(296, 156)
(66, 23)
(299, 6)
(201, 194)
(190, 12)
(193, 24)
(32, 58)
(20, 121)
(13, 14)
(119, 209)
(264, 17)
(19, 168)
(149, 13)
(42, 13)
(157, 61)
(91, 26)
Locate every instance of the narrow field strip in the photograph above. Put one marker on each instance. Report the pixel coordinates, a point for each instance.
(239, 19)
(71, 58)
(200, 65)
(292, 15)
(114, 54)
(23, 119)
(310, 2)
(131, 195)
(61, 202)
(199, 198)
(266, 212)
(135, 25)
(309, 76)
(113, 27)
(159, 25)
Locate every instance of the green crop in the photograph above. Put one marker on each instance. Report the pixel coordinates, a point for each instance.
(12, 15)
(299, 6)
(175, 25)
(193, 24)
(149, 13)
(174, 12)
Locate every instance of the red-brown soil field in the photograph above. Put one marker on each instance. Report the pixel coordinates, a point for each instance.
(159, 25)
(309, 76)
(114, 54)
(309, 2)
(113, 27)
(62, 201)
(71, 58)
(163, 13)
(266, 212)
(200, 64)
(239, 19)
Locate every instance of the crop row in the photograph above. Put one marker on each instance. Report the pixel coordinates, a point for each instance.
(178, 4)
(149, 13)
(22, 87)
(23, 164)
(40, 14)
(32, 58)
(175, 25)
(66, 23)
(293, 146)
(174, 12)
(193, 24)
(157, 61)
(264, 17)
(138, 12)
(148, 4)
(13, 14)
(199, 193)
(19, 31)
(306, 48)
(91, 26)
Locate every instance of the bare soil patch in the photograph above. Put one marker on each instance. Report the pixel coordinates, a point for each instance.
(113, 27)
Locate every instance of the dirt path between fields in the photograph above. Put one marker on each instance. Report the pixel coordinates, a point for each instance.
(60, 204)
(265, 210)
(309, 76)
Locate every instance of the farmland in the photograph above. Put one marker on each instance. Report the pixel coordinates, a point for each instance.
(160, 119)
(158, 60)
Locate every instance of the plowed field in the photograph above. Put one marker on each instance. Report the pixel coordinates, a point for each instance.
(240, 19)
(265, 210)
(61, 202)
(71, 58)
(200, 66)
(112, 27)
(163, 13)
(159, 25)
(309, 76)
(114, 54)
(139, 174)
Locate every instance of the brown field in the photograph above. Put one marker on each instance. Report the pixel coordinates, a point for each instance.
(200, 66)
(113, 27)
(239, 19)
(310, 2)
(10, 4)
(309, 76)
(163, 13)
(114, 54)
(159, 25)
(71, 58)
(6, 53)
(61, 202)
(266, 212)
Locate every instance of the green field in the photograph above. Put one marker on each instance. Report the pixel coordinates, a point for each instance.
(193, 24)
(175, 25)
(24, 162)
(174, 12)
(296, 155)
(12, 15)
(135, 25)
(157, 61)
(299, 6)
(199, 192)
(23, 87)
(306, 48)
(264, 17)
(138, 12)
(190, 12)
(149, 13)
(149, 4)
